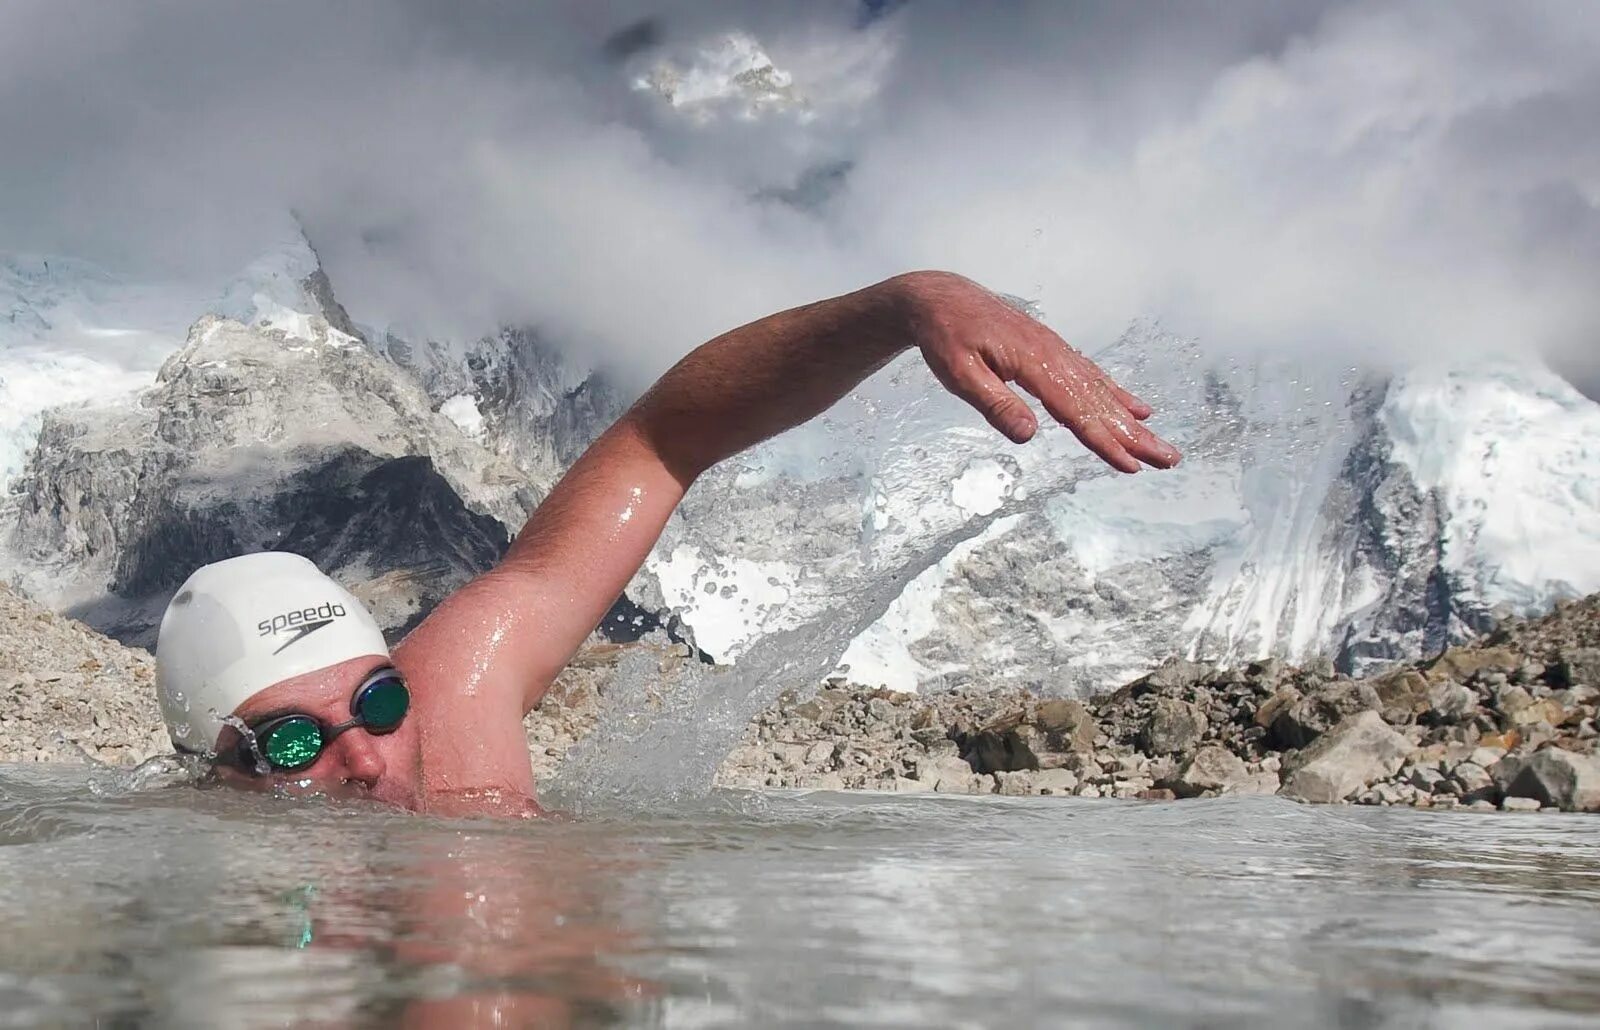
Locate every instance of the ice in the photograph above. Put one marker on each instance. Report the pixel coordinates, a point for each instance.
(71, 332)
(1515, 451)
(462, 409)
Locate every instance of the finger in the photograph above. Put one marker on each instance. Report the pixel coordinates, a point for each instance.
(977, 384)
(1080, 409)
(1094, 434)
(1137, 439)
(1136, 407)
(1148, 447)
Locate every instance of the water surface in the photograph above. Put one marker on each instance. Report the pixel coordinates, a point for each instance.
(188, 907)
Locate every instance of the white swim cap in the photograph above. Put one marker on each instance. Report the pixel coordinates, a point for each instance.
(238, 626)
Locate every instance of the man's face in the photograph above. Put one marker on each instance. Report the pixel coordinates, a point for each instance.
(356, 763)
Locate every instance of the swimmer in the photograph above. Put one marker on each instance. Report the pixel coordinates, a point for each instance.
(286, 679)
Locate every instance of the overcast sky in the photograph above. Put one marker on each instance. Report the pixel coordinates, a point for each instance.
(1362, 179)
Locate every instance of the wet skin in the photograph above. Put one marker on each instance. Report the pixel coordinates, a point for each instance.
(486, 655)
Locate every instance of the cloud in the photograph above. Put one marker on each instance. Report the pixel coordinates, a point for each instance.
(1373, 180)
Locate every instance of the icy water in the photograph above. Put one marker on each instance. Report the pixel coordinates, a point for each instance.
(188, 907)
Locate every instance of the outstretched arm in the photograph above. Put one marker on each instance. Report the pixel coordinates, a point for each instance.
(508, 633)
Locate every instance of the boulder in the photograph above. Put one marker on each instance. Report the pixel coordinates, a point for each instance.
(1177, 672)
(1402, 696)
(1450, 702)
(1055, 781)
(1357, 752)
(948, 774)
(1007, 745)
(1307, 719)
(1067, 725)
(1576, 666)
(1462, 663)
(1558, 778)
(1211, 769)
(1016, 784)
(1472, 782)
(1274, 706)
(1173, 726)
(1544, 710)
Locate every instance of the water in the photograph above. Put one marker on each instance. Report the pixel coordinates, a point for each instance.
(185, 907)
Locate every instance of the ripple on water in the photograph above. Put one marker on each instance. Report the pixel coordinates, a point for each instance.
(160, 905)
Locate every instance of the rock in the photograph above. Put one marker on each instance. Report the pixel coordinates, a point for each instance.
(1519, 805)
(1511, 700)
(1502, 742)
(1358, 751)
(1577, 666)
(944, 772)
(1177, 672)
(1016, 784)
(1472, 782)
(1067, 724)
(1313, 715)
(1265, 781)
(1424, 777)
(1274, 706)
(1211, 769)
(1450, 702)
(1390, 794)
(1546, 711)
(1007, 744)
(1554, 777)
(1486, 756)
(821, 753)
(1462, 663)
(1402, 695)
(1173, 726)
(1158, 794)
(1055, 781)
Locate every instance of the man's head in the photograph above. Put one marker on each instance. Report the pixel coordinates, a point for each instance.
(254, 640)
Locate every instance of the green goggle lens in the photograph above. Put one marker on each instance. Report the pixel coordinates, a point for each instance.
(293, 744)
(383, 704)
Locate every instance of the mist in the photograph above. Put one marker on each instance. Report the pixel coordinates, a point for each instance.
(1376, 182)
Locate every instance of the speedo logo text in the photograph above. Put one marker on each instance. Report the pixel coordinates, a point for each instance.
(322, 614)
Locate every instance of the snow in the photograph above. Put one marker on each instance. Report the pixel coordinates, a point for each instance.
(70, 333)
(462, 409)
(730, 72)
(1110, 522)
(1515, 452)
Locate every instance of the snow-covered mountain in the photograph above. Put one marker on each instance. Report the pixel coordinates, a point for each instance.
(72, 332)
(1318, 510)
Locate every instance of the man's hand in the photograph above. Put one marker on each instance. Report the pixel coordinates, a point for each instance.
(976, 344)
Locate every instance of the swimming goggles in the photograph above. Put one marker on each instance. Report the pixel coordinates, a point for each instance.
(291, 742)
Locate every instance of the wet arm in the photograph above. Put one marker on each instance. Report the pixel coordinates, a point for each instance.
(512, 630)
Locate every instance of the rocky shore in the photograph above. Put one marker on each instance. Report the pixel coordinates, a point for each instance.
(1508, 722)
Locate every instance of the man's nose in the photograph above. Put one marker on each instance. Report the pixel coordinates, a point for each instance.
(360, 756)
